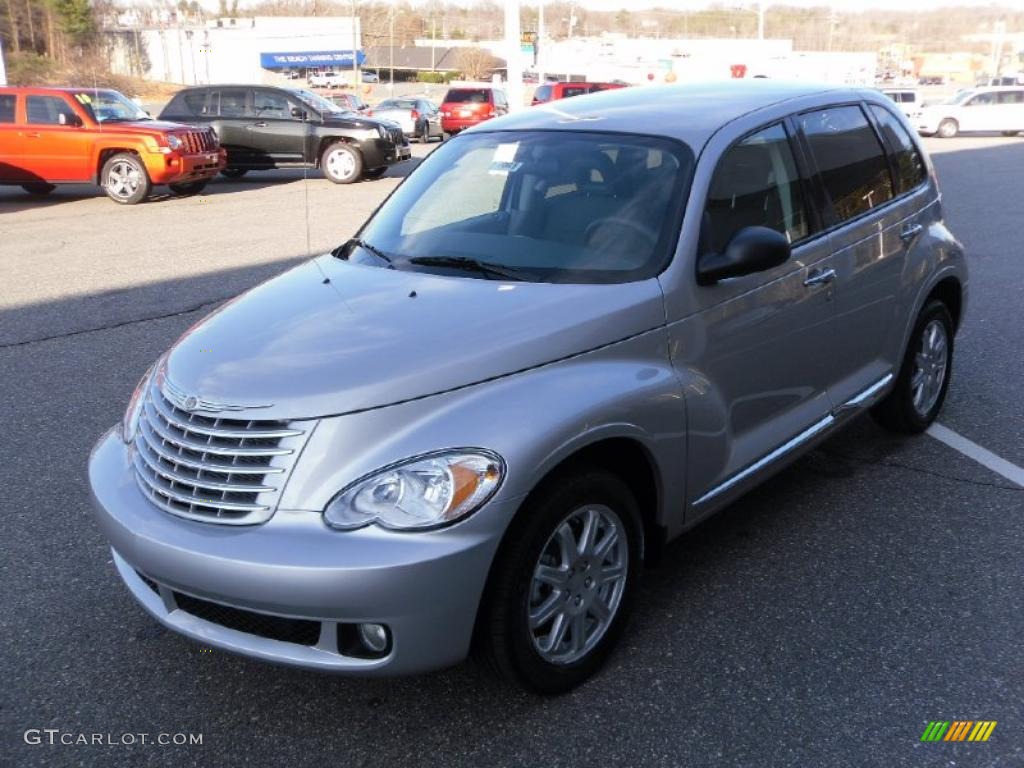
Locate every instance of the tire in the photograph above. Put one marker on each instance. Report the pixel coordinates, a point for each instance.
(38, 188)
(375, 173)
(948, 128)
(187, 189)
(507, 641)
(125, 180)
(233, 173)
(423, 135)
(1010, 133)
(341, 163)
(923, 380)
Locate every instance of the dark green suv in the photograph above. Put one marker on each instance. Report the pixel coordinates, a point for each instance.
(263, 127)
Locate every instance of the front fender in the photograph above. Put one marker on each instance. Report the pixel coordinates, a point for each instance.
(534, 420)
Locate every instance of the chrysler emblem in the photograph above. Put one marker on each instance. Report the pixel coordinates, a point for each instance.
(191, 403)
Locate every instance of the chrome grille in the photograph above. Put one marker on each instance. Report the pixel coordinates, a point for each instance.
(219, 470)
(197, 141)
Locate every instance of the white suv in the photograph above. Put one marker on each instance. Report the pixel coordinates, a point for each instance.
(328, 80)
(906, 98)
(991, 108)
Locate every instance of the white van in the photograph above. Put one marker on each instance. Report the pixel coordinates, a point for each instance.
(906, 98)
(991, 108)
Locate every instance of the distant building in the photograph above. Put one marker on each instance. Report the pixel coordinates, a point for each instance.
(258, 49)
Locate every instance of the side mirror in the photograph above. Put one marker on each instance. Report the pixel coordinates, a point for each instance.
(68, 118)
(298, 113)
(752, 249)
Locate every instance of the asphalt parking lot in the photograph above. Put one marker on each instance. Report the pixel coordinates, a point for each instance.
(876, 585)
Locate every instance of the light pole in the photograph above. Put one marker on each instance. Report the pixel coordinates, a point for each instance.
(355, 52)
(539, 42)
(760, 20)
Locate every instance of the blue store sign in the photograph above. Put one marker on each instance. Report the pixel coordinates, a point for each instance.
(309, 59)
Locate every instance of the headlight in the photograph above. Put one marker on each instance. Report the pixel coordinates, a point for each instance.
(382, 131)
(425, 492)
(130, 423)
(174, 142)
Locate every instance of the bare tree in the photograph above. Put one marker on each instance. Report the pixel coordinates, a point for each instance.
(476, 63)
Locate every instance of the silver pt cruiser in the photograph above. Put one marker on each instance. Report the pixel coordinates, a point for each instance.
(569, 336)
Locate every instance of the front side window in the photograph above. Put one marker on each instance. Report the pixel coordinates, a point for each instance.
(849, 158)
(543, 93)
(982, 100)
(910, 168)
(7, 101)
(545, 206)
(49, 110)
(757, 184)
(271, 104)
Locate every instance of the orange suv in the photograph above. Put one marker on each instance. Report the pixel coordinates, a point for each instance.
(52, 136)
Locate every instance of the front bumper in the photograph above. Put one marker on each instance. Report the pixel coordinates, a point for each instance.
(379, 152)
(425, 587)
(179, 169)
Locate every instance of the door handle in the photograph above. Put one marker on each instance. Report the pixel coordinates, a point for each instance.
(910, 232)
(820, 277)
(260, 124)
(32, 135)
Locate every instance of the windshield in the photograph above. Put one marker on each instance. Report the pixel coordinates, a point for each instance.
(546, 206)
(319, 103)
(958, 98)
(110, 106)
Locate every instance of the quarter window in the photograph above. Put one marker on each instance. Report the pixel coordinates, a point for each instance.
(910, 170)
(849, 158)
(755, 184)
(7, 108)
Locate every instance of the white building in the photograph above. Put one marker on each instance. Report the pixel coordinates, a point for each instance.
(244, 50)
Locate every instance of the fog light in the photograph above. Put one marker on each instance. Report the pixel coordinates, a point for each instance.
(374, 637)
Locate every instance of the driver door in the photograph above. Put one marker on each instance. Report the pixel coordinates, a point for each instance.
(760, 344)
(55, 142)
(274, 131)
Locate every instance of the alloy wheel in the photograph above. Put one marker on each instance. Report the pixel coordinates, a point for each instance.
(123, 180)
(930, 367)
(577, 584)
(341, 164)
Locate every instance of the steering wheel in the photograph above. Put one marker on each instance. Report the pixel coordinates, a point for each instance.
(640, 229)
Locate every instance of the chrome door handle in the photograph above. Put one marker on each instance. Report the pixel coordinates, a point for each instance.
(820, 277)
(910, 232)
(260, 124)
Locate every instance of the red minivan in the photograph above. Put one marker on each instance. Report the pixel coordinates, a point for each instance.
(552, 91)
(465, 107)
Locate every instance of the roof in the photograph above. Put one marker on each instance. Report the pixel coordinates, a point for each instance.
(687, 111)
(416, 57)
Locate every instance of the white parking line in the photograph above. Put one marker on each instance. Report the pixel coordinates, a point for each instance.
(975, 452)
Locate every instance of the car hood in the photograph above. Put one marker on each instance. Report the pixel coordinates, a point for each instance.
(148, 126)
(353, 120)
(329, 337)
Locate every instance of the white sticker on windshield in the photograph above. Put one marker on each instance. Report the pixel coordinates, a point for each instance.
(504, 158)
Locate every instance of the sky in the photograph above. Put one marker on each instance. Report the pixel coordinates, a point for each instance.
(840, 5)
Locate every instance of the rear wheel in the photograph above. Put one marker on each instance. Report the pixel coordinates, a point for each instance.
(562, 586)
(39, 188)
(187, 189)
(233, 173)
(923, 380)
(125, 180)
(1010, 133)
(423, 134)
(948, 128)
(341, 163)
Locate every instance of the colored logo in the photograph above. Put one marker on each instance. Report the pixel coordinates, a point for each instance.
(958, 730)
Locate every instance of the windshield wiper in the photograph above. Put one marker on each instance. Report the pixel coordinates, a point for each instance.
(340, 253)
(468, 264)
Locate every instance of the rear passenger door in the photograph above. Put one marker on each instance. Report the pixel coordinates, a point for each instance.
(230, 109)
(11, 157)
(865, 228)
(1011, 109)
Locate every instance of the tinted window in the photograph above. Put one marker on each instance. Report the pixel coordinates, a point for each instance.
(468, 95)
(910, 170)
(849, 158)
(982, 99)
(7, 108)
(574, 90)
(270, 104)
(564, 206)
(233, 103)
(49, 110)
(1011, 97)
(755, 184)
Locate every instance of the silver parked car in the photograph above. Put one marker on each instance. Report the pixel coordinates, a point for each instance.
(419, 118)
(568, 337)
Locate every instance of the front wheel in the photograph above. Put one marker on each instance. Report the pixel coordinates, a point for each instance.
(948, 128)
(341, 163)
(125, 180)
(562, 587)
(923, 380)
(187, 189)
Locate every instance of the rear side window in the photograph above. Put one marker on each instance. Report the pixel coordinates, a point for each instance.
(7, 101)
(909, 165)
(575, 90)
(48, 110)
(757, 184)
(187, 104)
(467, 96)
(1011, 97)
(849, 158)
(232, 103)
